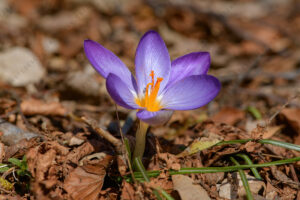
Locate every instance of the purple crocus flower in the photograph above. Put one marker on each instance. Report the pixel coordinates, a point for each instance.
(161, 86)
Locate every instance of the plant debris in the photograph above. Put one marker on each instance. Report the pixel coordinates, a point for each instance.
(62, 136)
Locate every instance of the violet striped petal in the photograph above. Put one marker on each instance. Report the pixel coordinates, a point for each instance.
(152, 54)
(191, 92)
(105, 62)
(155, 118)
(121, 92)
(195, 63)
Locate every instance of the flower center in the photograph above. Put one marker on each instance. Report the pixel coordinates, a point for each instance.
(149, 101)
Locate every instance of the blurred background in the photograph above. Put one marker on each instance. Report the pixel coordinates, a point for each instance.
(254, 45)
(45, 76)
(254, 48)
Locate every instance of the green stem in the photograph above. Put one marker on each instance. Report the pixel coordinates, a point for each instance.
(244, 180)
(263, 141)
(140, 140)
(217, 169)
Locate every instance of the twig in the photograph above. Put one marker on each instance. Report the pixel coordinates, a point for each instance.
(126, 152)
(293, 173)
(282, 107)
(105, 134)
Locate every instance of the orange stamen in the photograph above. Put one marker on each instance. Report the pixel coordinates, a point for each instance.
(149, 101)
(154, 91)
(152, 78)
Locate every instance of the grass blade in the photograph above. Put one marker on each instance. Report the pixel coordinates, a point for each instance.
(140, 167)
(249, 162)
(263, 141)
(280, 144)
(218, 169)
(254, 111)
(164, 193)
(127, 146)
(244, 180)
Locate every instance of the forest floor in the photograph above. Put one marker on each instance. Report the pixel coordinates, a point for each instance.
(48, 151)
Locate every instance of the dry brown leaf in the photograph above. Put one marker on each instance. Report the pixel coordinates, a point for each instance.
(187, 189)
(38, 107)
(128, 192)
(43, 163)
(270, 131)
(214, 178)
(199, 145)
(75, 155)
(229, 116)
(292, 116)
(279, 175)
(86, 182)
(65, 20)
(171, 160)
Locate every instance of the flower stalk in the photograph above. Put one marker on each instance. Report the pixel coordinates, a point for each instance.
(140, 140)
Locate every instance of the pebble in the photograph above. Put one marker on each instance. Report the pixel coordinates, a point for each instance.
(20, 67)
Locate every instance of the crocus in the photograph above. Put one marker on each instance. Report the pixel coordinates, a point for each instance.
(159, 86)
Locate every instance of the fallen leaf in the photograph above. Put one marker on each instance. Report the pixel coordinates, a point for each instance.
(199, 145)
(86, 182)
(76, 154)
(229, 116)
(292, 117)
(214, 178)
(128, 192)
(187, 189)
(270, 131)
(38, 107)
(279, 175)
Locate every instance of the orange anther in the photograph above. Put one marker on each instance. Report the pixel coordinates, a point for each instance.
(149, 101)
(152, 79)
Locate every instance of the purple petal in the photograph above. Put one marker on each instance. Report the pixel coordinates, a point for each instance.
(154, 118)
(151, 54)
(195, 63)
(121, 92)
(191, 92)
(105, 62)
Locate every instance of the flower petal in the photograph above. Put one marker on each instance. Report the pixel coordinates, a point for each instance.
(105, 62)
(121, 92)
(155, 118)
(191, 92)
(195, 63)
(151, 54)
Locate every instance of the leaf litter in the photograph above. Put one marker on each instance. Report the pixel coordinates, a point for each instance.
(254, 49)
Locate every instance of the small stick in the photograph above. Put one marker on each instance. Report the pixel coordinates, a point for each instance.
(105, 134)
(293, 173)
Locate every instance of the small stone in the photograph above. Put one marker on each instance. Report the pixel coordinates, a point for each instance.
(75, 141)
(83, 82)
(20, 67)
(50, 45)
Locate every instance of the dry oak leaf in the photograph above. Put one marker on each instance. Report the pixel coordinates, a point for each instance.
(86, 182)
